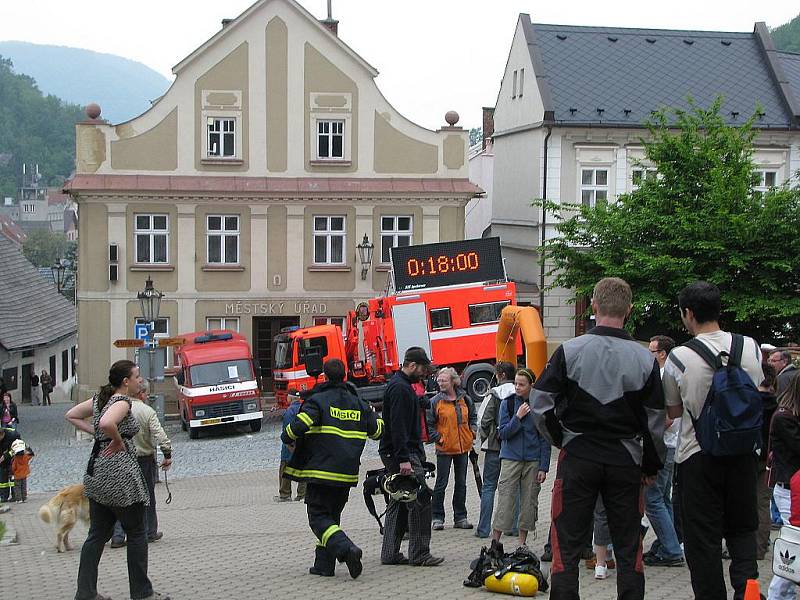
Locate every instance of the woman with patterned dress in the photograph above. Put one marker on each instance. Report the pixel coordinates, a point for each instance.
(114, 482)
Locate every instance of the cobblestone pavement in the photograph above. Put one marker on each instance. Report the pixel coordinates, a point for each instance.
(225, 538)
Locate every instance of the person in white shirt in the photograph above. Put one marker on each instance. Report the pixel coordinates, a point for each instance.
(718, 493)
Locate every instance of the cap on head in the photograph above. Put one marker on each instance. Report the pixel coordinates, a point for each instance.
(417, 355)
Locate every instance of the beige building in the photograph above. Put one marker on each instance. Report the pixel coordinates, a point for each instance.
(246, 188)
(569, 118)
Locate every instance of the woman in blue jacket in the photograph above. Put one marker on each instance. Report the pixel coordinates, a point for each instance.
(524, 461)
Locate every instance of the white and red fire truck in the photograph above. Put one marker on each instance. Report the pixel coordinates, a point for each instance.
(216, 382)
(456, 324)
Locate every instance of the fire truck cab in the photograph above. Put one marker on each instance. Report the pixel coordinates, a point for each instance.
(216, 382)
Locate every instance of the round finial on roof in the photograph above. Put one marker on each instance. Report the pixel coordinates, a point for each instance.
(451, 117)
(93, 110)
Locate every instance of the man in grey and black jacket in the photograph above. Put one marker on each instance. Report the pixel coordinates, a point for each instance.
(600, 401)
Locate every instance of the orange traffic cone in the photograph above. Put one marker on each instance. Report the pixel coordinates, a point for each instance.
(752, 591)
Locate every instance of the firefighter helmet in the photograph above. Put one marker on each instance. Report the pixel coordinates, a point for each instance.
(17, 446)
(402, 488)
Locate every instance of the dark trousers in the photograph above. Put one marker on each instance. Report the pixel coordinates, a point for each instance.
(411, 517)
(677, 512)
(325, 504)
(764, 516)
(21, 490)
(149, 469)
(719, 501)
(578, 484)
(6, 483)
(460, 463)
(100, 530)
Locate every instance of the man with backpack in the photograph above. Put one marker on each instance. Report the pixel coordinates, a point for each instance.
(711, 382)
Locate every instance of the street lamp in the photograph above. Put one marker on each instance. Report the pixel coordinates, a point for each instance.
(59, 271)
(150, 303)
(365, 255)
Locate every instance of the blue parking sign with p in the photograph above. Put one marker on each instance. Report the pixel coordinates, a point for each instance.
(140, 331)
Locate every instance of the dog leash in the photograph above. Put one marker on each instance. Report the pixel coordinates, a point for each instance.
(166, 484)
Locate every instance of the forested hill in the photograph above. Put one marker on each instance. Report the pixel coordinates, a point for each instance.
(787, 36)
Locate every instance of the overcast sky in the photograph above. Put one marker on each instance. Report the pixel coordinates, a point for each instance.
(432, 55)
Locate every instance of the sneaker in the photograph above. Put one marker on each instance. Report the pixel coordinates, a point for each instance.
(117, 543)
(591, 563)
(399, 559)
(281, 498)
(437, 525)
(155, 537)
(601, 572)
(430, 561)
(658, 561)
(462, 524)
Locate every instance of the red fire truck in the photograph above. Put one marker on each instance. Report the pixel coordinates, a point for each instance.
(215, 381)
(456, 325)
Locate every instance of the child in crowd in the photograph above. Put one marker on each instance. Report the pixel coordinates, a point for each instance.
(285, 485)
(21, 469)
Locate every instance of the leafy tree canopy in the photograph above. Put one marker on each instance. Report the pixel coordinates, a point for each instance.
(698, 220)
(43, 248)
(787, 36)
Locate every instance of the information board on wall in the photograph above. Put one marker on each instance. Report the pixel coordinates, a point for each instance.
(447, 263)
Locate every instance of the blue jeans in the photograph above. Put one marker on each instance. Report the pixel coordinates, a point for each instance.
(443, 462)
(658, 507)
(774, 512)
(491, 475)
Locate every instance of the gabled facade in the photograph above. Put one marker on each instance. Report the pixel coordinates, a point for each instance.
(246, 188)
(569, 114)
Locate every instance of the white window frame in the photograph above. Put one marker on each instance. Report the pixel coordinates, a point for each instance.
(396, 233)
(28, 208)
(593, 187)
(221, 121)
(150, 232)
(223, 234)
(226, 323)
(331, 124)
(762, 173)
(162, 324)
(329, 234)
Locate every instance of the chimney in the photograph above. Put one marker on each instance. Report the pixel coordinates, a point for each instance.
(488, 124)
(226, 22)
(330, 23)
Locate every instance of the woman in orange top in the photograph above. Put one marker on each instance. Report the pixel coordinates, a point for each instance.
(452, 423)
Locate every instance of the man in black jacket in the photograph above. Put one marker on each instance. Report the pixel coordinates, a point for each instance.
(327, 438)
(7, 437)
(402, 452)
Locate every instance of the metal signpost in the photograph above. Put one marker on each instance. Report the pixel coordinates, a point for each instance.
(150, 303)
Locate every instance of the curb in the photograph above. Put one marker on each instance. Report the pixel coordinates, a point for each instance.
(9, 537)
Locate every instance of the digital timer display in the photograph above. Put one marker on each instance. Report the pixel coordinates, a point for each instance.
(447, 263)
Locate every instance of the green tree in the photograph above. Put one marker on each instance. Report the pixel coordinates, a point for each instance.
(475, 135)
(787, 36)
(699, 219)
(43, 248)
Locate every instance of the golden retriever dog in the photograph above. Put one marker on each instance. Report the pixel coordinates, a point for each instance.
(63, 511)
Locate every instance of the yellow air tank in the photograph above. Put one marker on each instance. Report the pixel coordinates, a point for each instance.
(514, 584)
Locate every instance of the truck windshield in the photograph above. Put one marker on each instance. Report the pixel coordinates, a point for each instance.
(229, 371)
(282, 357)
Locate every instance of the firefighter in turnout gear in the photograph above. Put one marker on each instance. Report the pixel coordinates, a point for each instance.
(7, 437)
(327, 438)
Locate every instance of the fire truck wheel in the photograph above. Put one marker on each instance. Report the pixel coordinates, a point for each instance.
(478, 385)
(255, 426)
(194, 433)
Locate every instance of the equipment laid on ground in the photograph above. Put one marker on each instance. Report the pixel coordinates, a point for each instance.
(215, 381)
(516, 573)
(455, 322)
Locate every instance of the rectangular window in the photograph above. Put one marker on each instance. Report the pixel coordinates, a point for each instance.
(514, 86)
(161, 330)
(28, 353)
(440, 318)
(151, 233)
(594, 186)
(330, 321)
(521, 82)
(329, 240)
(10, 378)
(640, 175)
(52, 372)
(312, 346)
(330, 139)
(28, 208)
(395, 231)
(222, 237)
(221, 137)
(64, 365)
(72, 361)
(486, 313)
(226, 323)
(766, 179)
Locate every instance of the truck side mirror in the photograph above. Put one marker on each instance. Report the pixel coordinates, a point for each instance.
(313, 364)
(179, 377)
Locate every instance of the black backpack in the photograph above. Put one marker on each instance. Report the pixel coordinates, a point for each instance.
(731, 420)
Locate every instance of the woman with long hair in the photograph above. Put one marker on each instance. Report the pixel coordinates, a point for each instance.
(452, 422)
(784, 444)
(9, 416)
(114, 482)
(524, 462)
